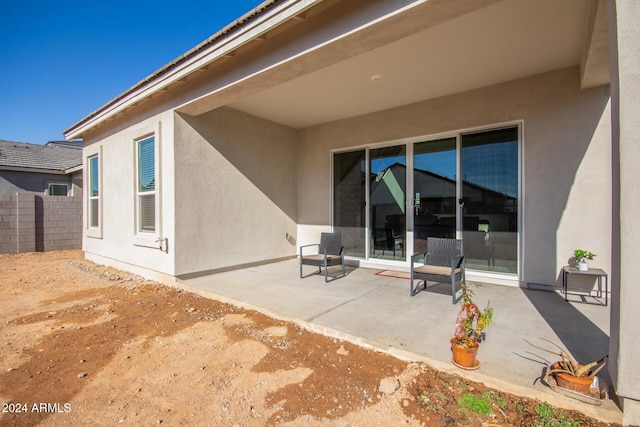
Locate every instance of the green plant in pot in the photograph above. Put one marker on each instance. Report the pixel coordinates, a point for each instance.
(570, 374)
(470, 326)
(581, 256)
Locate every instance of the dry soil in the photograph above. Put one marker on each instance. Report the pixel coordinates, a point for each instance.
(83, 344)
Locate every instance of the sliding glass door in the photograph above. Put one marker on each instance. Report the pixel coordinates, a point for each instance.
(434, 187)
(490, 200)
(349, 201)
(463, 186)
(387, 201)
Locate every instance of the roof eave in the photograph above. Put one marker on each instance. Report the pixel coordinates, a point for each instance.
(73, 169)
(215, 47)
(33, 170)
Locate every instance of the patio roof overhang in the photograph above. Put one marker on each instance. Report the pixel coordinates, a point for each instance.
(305, 62)
(421, 52)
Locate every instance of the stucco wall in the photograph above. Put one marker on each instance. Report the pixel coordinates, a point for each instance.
(566, 161)
(12, 182)
(625, 73)
(228, 193)
(236, 197)
(76, 181)
(116, 242)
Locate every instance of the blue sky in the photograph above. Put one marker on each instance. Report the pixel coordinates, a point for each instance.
(61, 60)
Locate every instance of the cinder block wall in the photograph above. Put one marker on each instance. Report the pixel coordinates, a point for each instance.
(7, 223)
(61, 223)
(34, 223)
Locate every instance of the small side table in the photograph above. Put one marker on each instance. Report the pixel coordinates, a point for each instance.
(595, 272)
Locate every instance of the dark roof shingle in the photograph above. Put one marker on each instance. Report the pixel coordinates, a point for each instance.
(53, 157)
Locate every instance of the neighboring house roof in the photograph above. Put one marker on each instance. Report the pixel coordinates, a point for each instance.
(55, 157)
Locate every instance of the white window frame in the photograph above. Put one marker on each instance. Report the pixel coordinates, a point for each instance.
(90, 230)
(48, 191)
(141, 194)
(151, 239)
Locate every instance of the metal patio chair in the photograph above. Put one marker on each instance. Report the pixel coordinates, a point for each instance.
(330, 252)
(443, 262)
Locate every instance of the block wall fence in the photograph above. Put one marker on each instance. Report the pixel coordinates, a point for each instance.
(34, 223)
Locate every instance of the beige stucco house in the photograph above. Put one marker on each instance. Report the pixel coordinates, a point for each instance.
(510, 124)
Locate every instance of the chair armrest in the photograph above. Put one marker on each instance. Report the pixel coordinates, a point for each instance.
(415, 257)
(306, 246)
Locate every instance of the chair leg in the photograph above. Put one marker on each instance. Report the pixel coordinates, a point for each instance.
(453, 288)
(411, 293)
(326, 277)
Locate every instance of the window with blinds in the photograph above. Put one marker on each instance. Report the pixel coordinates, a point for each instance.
(146, 186)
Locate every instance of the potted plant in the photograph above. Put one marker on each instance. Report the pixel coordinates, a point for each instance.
(470, 325)
(581, 256)
(570, 374)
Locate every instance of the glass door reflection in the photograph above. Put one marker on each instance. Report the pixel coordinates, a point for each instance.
(387, 187)
(434, 182)
(490, 191)
(349, 212)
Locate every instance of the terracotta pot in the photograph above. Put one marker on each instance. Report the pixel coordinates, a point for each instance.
(463, 356)
(570, 382)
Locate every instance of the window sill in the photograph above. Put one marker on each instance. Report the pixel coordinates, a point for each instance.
(146, 241)
(94, 233)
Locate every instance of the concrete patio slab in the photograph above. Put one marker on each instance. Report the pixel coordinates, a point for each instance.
(376, 311)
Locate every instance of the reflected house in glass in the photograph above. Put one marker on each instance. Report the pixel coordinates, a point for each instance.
(388, 209)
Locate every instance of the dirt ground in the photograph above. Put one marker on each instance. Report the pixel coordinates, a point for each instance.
(83, 344)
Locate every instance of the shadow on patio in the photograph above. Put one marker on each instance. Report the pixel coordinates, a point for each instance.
(377, 311)
(585, 340)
